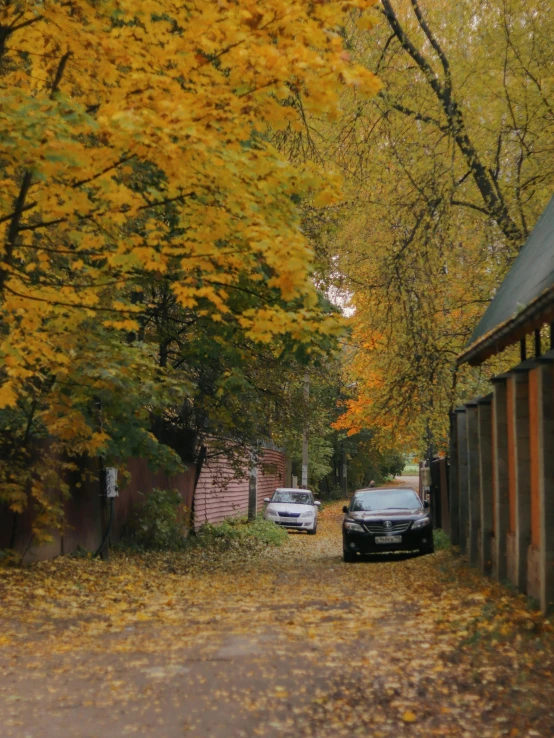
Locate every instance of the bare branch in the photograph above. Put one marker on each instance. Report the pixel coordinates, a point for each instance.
(490, 191)
(433, 41)
(464, 204)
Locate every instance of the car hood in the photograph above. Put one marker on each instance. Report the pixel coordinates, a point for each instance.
(388, 514)
(290, 507)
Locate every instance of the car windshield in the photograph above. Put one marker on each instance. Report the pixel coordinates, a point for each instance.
(394, 499)
(297, 498)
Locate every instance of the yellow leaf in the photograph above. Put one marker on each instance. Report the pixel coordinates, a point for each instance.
(8, 397)
(367, 21)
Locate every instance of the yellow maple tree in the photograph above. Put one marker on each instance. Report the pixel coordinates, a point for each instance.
(135, 144)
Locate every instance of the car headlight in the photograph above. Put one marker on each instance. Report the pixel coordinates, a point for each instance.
(274, 513)
(352, 526)
(421, 523)
(307, 514)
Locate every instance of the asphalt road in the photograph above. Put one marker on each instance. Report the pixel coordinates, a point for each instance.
(408, 481)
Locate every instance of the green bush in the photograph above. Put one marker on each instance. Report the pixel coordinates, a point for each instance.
(331, 492)
(442, 541)
(9, 558)
(410, 470)
(241, 531)
(160, 524)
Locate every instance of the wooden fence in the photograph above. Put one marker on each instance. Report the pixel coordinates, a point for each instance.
(219, 494)
(502, 479)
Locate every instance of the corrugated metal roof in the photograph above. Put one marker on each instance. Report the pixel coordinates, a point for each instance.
(527, 288)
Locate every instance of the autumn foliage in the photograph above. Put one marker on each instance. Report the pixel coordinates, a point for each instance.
(449, 168)
(135, 152)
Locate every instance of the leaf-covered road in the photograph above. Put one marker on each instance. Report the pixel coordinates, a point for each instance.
(289, 641)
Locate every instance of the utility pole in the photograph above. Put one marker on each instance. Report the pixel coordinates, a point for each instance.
(430, 454)
(304, 484)
(344, 472)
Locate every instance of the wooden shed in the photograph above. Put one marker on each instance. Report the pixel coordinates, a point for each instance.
(502, 461)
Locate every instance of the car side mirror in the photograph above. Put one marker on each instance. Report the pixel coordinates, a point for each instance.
(345, 509)
(426, 504)
(267, 499)
(317, 503)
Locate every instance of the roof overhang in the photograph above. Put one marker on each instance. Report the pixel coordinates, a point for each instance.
(524, 300)
(533, 316)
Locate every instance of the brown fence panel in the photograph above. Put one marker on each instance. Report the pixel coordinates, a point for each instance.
(219, 495)
(83, 509)
(445, 502)
(143, 481)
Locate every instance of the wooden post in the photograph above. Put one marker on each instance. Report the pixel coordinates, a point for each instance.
(537, 343)
(463, 501)
(253, 487)
(473, 486)
(453, 502)
(501, 482)
(523, 349)
(546, 482)
(485, 483)
(520, 536)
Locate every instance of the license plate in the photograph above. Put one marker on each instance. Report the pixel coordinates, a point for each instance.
(388, 539)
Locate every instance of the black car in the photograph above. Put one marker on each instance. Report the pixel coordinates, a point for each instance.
(386, 519)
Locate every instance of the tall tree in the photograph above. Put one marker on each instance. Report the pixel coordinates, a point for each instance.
(134, 150)
(449, 169)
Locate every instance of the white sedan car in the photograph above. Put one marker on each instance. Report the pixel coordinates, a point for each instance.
(293, 508)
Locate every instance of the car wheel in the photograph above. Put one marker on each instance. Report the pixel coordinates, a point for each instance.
(427, 550)
(313, 531)
(348, 556)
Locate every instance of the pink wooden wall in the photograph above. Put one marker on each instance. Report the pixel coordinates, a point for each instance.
(271, 474)
(220, 494)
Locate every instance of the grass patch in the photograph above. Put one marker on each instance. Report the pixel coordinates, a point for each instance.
(441, 540)
(410, 470)
(239, 530)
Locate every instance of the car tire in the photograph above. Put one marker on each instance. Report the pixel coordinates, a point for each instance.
(349, 557)
(313, 531)
(427, 550)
